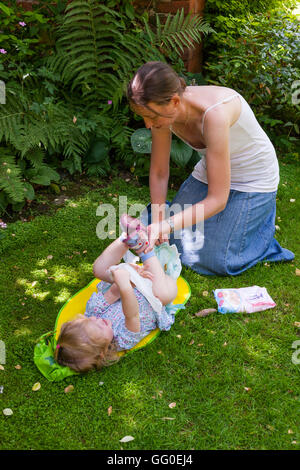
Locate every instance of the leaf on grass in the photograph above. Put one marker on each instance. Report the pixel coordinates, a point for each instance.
(109, 410)
(69, 388)
(247, 389)
(49, 256)
(18, 367)
(297, 272)
(167, 418)
(205, 312)
(297, 324)
(7, 412)
(36, 387)
(205, 293)
(172, 405)
(1, 367)
(127, 439)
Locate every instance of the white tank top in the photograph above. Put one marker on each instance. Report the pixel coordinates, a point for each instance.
(253, 161)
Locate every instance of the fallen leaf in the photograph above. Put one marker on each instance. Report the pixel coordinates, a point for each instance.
(127, 439)
(1, 367)
(26, 318)
(49, 256)
(191, 342)
(7, 412)
(297, 272)
(109, 411)
(271, 428)
(178, 336)
(36, 387)
(294, 442)
(205, 293)
(172, 405)
(18, 367)
(101, 383)
(167, 418)
(205, 312)
(290, 431)
(247, 389)
(225, 344)
(69, 388)
(33, 284)
(84, 251)
(292, 200)
(297, 324)
(74, 119)
(200, 344)
(160, 393)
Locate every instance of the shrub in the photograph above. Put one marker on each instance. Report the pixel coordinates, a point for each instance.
(258, 55)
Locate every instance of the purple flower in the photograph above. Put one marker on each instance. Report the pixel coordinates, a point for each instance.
(22, 23)
(3, 225)
(3, 51)
(109, 102)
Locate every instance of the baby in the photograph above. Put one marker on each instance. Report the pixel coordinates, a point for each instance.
(118, 316)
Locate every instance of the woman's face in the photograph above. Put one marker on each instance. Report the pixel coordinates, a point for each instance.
(158, 116)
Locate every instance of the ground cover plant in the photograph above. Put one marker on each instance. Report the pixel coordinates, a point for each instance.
(219, 382)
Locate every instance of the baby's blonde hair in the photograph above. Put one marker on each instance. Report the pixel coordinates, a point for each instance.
(82, 351)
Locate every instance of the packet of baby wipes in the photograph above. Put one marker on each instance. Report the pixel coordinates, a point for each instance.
(243, 300)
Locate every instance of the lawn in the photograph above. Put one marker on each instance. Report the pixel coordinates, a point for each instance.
(231, 376)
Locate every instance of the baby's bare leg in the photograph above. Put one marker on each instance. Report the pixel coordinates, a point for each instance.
(109, 257)
(164, 287)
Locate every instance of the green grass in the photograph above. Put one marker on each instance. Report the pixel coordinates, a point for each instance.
(213, 408)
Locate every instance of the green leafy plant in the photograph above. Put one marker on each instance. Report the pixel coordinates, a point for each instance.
(99, 48)
(258, 55)
(181, 153)
(66, 109)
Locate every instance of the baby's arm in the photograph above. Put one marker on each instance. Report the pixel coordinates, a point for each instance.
(129, 301)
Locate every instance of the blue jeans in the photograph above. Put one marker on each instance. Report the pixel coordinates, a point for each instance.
(235, 239)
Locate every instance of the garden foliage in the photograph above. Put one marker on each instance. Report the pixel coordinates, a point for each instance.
(65, 105)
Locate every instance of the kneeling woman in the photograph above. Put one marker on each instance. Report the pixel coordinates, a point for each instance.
(235, 182)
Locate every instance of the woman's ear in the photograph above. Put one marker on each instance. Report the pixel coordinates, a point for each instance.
(175, 100)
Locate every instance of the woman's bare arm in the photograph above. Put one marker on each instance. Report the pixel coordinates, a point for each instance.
(159, 170)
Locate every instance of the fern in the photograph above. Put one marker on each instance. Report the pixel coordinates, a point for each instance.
(179, 32)
(11, 177)
(97, 52)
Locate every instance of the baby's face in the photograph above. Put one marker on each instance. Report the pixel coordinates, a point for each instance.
(102, 327)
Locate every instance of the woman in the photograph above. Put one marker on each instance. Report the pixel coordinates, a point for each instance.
(234, 183)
